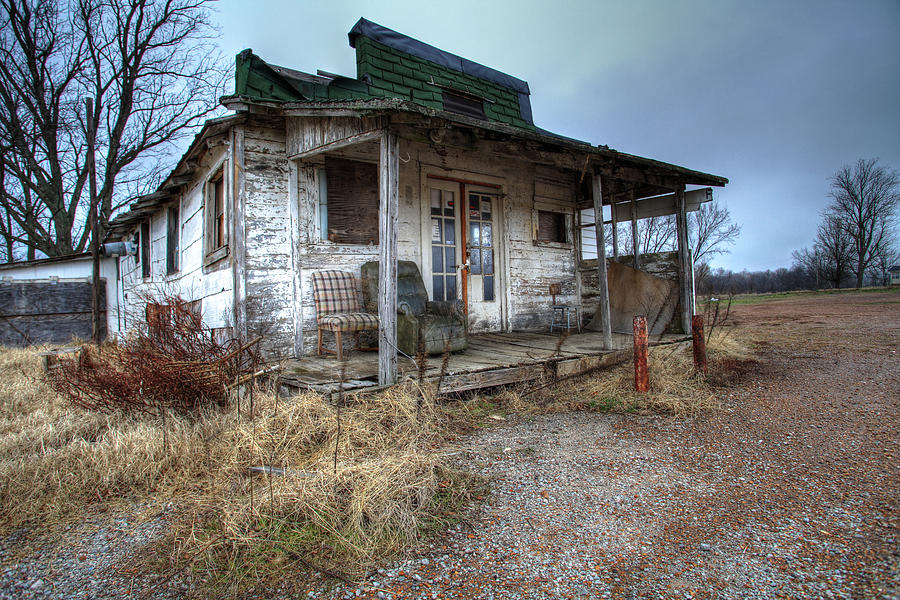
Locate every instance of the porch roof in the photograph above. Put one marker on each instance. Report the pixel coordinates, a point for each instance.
(545, 146)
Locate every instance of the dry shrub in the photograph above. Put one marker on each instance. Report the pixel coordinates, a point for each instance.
(171, 362)
(56, 459)
(674, 389)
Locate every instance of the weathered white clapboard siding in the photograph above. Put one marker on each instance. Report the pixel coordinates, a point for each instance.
(212, 285)
(269, 262)
(307, 133)
(282, 245)
(529, 269)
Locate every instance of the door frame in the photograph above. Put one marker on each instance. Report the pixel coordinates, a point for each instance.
(475, 180)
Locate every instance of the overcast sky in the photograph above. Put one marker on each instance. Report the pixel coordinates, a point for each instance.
(775, 96)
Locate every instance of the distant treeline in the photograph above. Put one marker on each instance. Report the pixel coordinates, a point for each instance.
(721, 281)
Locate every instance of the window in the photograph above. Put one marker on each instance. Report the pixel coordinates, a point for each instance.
(551, 227)
(145, 250)
(172, 240)
(216, 225)
(463, 104)
(348, 202)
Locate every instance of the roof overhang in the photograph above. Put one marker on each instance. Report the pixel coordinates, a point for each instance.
(582, 155)
(172, 186)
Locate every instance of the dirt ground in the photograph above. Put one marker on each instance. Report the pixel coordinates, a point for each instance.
(791, 490)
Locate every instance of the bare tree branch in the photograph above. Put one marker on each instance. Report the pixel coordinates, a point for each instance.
(865, 199)
(154, 73)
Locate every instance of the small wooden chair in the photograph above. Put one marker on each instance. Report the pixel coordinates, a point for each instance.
(562, 313)
(339, 308)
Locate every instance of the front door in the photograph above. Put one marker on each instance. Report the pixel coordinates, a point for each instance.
(482, 274)
(464, 248)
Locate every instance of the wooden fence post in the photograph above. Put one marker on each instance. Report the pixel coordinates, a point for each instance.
(641, 376)
(699, 343)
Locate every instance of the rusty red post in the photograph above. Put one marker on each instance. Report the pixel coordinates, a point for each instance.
(699, 344)
(641, 377)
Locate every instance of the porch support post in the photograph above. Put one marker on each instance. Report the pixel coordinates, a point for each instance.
(387, 243)
(602, 282)
(635, 242)
(685, 268)
(615, 228)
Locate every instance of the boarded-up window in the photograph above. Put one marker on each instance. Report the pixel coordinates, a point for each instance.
(551, 227)
(463, 104)
(145, 250)
(172, 240)
(350, 202)
(159, 318)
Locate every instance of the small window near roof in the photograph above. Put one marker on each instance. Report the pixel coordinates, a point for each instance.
(470, 106)
(551, 227)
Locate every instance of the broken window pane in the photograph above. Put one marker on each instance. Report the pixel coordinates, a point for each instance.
(435, 201)
(438, 283)
(488, 259)
(487, 237)
(475, 261)
(437, 259)
(474, 234)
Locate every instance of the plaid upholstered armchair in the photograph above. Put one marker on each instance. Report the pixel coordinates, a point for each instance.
(339, 308)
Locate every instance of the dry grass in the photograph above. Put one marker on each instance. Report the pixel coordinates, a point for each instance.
(674, 386)
(56, 459)
(389, 484)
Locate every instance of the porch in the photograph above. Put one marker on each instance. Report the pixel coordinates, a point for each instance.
(491, 359)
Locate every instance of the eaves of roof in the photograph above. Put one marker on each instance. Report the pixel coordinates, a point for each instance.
(144, 206)
(385, 106)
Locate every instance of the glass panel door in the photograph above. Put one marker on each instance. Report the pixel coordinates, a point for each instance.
(443, 243)
(481, 242)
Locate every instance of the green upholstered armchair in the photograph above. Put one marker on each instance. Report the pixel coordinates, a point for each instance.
(439, 324)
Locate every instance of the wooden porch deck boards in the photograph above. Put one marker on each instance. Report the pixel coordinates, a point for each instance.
(491, 359)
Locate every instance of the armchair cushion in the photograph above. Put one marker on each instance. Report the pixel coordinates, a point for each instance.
(349, 322)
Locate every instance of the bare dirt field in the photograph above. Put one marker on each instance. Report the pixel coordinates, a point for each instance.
(791, 490)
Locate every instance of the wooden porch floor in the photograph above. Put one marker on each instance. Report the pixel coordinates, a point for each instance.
(491, 359)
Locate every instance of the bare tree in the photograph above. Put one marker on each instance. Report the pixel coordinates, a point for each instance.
(655, 234)
(830, 259)
(154, 74)
(865, 198)
(711, 230)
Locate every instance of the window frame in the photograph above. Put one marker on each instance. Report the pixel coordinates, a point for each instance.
(214, 248)
(568, 221)
(144, 250)
(173, 239)
(323, 203)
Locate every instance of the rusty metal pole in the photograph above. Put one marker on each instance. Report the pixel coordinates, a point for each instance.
(641, 376)
(699, 344)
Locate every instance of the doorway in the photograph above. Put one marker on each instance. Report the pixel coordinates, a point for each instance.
(465, 245)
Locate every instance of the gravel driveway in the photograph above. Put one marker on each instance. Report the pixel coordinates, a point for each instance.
(791, 490)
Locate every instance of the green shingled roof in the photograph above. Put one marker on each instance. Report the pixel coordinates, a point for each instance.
(395, 74)
(384, 71)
